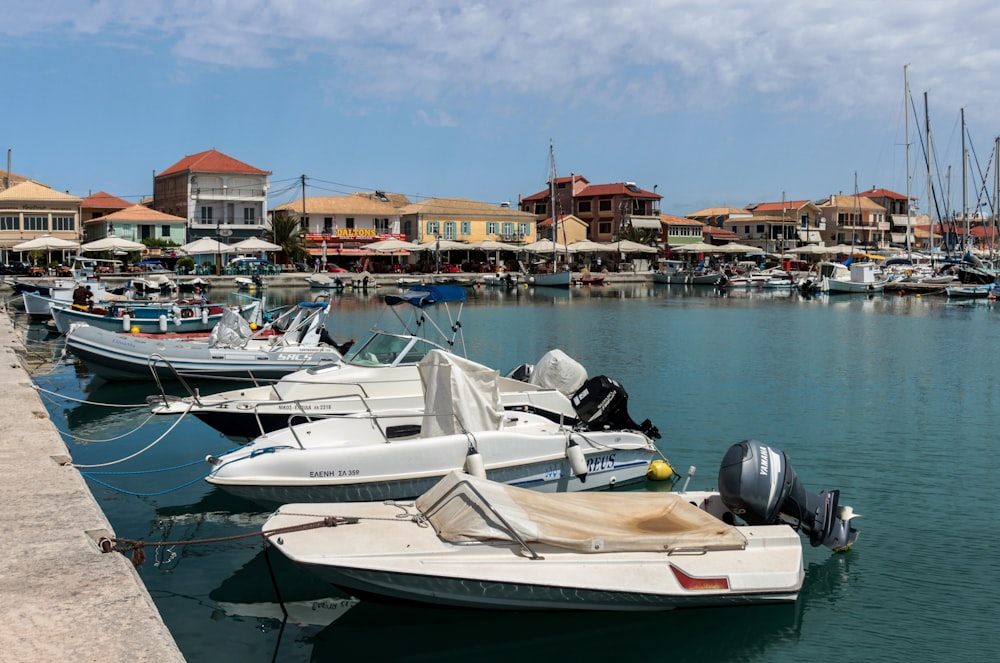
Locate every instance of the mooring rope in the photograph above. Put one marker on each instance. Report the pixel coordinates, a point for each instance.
(137, 548)
(144, 449)
(86, 402)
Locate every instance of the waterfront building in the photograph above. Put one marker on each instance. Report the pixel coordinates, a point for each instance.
(217, 195)
(778, 226)
(854, 220)
(137, 223)
(29, 210)
(97, 205)
(464, 220)
(605, 208)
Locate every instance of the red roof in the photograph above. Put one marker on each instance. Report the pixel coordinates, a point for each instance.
(719, 233)
(616, 189)
(778, 206)
(212, 161)
(882, 193)
(103, 200)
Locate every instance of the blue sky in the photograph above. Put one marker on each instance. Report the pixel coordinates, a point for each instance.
(723, 103)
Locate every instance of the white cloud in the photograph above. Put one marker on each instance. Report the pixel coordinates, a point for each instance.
(844, 55)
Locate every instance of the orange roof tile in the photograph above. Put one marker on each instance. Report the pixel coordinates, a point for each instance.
(104, 200)
(212, 161)
(134, 213)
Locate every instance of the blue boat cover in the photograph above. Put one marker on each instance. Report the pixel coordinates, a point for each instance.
(423, 296)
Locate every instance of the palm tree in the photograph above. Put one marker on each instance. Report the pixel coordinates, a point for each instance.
(286, 233)
(647, 236)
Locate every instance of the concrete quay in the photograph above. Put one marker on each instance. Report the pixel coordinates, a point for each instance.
(61, 598)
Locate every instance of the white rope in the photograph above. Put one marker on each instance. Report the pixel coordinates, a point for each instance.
(137, 453)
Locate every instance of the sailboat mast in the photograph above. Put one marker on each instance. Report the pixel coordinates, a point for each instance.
(965, 193)
(906, 112)
(930, 178)
(552, 201)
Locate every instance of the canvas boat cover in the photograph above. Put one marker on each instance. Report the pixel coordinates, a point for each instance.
(557, 370)
(460, 396)
(232, 331)
(427, 295)
(579, 521)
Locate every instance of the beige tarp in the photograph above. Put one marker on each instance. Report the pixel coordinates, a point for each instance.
(584, 522)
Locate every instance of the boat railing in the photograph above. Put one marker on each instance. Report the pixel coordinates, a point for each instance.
(156, 359)
(451, 493)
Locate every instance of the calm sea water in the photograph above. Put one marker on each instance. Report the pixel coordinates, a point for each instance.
(892, 400)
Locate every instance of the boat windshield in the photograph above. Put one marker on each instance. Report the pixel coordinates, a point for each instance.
(383, 349)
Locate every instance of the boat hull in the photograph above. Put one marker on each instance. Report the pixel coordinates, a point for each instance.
(345, 467)
(117, 356)
(381, 553)
(552, 280)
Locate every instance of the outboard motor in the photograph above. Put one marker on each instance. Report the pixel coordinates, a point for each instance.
(758, 484)
(603, 403)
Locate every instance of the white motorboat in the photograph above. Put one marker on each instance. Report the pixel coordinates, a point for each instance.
(862, 279)
(462, 423)
(297, 338)
(38, 304)
(380, 370)
(326, 282)
(470, 542)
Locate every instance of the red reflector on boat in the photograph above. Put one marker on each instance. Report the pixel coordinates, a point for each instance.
(690, 582)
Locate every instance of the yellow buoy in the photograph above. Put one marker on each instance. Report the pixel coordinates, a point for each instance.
(253, 326)
(134, 330)
(659, 470)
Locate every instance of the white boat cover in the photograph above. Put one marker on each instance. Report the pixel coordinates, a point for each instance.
(578, 521)
(232, 331)
(557, 370)
(460, 396)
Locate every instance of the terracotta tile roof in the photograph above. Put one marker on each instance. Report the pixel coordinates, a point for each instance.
(14, 178)
(718, 211)
(103, 200)
(212, 161)
(29, 190)
(778, 206)
(671, 220)
(616, 189)
(341, 205)
(140, 213)
(719, 233)
(394, 199)
(463, 207)
(882, 193)
(850, 202)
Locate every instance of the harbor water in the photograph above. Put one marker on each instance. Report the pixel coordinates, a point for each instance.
(893, 400)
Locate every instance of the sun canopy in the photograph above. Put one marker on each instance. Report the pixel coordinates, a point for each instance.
(390, 245)
(45, 243)
(205, 245)
(113, 244)
(428, 295)
(255, 244)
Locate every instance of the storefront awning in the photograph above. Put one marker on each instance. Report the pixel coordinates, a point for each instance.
(810, 236)
(651, 222)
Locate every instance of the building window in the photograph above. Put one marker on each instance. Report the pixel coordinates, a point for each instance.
(433, 228)
(584, 206)
(349, 222)
(9, 223)
(523, 230)
(604, 205)
(760, 228)
(36, 223)
(328, 225)
(466, 228)
(449, 230)
(206, 214)
(248, 216)
(382, 226)
(63, 223)
(408, 228)
(507, 229)
(541, 208)
(604, 228)
(492, 227)
(165, 230)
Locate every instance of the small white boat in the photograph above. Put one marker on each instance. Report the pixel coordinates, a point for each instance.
(326, 282)
(292, 341)
(863, 279)
(471, 542)
(254, 282)
(180, 316)
(587, 443)
(972, 290)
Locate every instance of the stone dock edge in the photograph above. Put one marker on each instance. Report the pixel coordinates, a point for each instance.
(61, 598)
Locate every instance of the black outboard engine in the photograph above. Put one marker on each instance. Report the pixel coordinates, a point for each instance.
(603, 403)
(758, 484)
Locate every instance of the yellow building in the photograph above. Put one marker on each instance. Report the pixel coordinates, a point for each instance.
(464, 220)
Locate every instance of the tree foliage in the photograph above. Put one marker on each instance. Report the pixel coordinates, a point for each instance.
(286, 233)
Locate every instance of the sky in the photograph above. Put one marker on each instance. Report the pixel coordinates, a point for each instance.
(722, 103)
